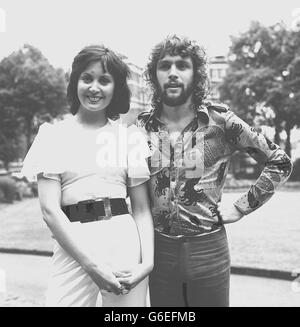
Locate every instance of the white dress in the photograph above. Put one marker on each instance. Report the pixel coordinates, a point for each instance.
(89, 165)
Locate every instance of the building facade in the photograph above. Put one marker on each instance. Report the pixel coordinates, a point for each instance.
(216, 71)
(140, 94)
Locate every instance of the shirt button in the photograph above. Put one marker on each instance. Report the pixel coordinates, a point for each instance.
(173, 179)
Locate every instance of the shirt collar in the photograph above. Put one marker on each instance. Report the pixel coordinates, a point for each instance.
(202, 114)
(111, 121)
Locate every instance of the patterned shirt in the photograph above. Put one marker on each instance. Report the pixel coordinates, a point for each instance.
(187, 179)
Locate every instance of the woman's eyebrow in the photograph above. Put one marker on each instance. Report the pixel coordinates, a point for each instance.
(89, 74)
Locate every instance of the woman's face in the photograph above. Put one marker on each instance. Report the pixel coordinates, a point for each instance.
(95, 87)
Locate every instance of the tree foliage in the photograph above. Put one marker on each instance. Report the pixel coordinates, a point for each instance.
(29, 88)
(264, 68)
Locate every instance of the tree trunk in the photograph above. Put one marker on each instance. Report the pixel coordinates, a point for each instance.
(28, 133)
(288, 139)
(277, 133)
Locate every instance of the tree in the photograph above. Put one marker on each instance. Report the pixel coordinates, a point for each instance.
(9, 131)
(31, 88)
(264, 67)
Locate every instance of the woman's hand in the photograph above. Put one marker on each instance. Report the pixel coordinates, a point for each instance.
(142, 216)
(131, 277)
(105, 278)
(228, 214)
(61, 228)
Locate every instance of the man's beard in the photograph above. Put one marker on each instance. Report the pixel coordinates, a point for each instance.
(179, 100)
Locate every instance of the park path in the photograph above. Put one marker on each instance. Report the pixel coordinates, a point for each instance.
(26, 282)
(268, 238)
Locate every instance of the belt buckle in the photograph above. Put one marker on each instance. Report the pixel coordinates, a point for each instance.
(106, 205)
(107, 208)
(81, 210)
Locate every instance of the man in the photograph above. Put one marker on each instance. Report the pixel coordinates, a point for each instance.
(191, 143)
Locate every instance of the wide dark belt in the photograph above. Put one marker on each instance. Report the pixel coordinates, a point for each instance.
(94, 210)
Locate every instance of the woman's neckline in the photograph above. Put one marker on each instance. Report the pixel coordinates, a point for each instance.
(89, 129)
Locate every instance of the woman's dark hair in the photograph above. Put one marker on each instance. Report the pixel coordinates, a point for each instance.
(112, 63)
(174, 45)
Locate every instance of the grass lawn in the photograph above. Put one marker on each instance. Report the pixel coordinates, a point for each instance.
(270, 236)
(22, 226)
(267, 238)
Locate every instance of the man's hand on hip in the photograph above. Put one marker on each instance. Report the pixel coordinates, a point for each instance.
(229, 213)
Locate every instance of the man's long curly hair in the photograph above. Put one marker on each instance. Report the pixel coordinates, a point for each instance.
(182, 46)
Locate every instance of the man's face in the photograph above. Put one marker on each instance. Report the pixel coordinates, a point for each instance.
(175, 78)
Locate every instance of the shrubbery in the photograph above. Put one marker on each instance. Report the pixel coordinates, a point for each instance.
(295, 176)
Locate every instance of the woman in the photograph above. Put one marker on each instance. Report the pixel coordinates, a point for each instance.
(84, 166)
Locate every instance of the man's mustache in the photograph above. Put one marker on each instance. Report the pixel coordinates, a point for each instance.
(168, 85)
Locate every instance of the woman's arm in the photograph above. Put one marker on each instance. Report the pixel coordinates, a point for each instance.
(142, 215)
(143, 218)
(50, 199)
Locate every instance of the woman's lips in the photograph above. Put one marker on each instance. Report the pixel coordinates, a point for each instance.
(94, 99)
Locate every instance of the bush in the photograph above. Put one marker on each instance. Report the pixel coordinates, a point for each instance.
(295, 175)
(9, 188)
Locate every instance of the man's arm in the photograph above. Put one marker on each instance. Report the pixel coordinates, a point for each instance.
(277, 165)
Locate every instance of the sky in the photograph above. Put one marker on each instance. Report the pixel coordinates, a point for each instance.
(60, 28)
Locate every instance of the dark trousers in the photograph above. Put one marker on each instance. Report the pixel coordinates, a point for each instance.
(191, 271)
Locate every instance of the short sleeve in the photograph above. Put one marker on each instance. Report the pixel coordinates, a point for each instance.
(138, 152)
(43, 155)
